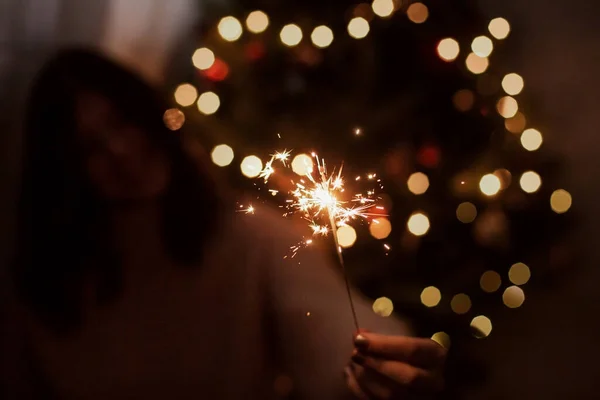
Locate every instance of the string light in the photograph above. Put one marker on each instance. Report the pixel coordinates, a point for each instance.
(513, 297)
(251, 166)
(173, 119)
(490, 185)
(442, 338)
(482, 46)
(380, 228)
(490, 281)
(222, 155)
(358, 27)
(431, 296)
(460, 303)
(530, 182)
(203, 58)
(383, 307)
(208, 103)
(448, 49)
(322, 36)
(516, 124)
(302, 164)
(418, 183)
(499, 28)
(418, 224)
(417, 13)
(257, 22)
(291, 35)
(185, 94)
(476, 64)
(466, 212)
(513, 84)
(230, 28)
(463, 100)
(519, 273)
(482, 326)
(383, 8)
(531, 139)
(346, 236)
(507, 107)
(560, 201)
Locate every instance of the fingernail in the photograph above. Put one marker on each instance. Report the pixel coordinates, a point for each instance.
(358, 358)
(361, 342)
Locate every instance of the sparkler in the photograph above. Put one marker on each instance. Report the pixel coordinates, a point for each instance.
(317, 197)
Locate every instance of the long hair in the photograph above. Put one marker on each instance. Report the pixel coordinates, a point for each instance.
(63, 234)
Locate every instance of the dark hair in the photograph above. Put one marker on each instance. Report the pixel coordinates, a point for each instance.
(63, 236)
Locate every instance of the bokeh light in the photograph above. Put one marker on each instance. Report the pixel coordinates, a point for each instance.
(448, 49)
(208, 103)
(442, 338)
(383, 307)
(499, 28)
(490, 281)
(460, 303)
(481, 326)
(418, 183)
(476, 64)
(516, 124)
(417, 13)
(346, 236)
(531, 139)
(463, 100)
(513, 297)
(530, 182)
(560, 201)
(490, 185)
(302, 164)
(203, 58)
(185, 94)
(251, 166)
(431, 296)
(482, 46)
(291, 35)
(174, 119)
(230, 28)
(507, 107)
(466, 212)
(519, 273)
(512, 84)
(383, 8)
(380, 228)
(222, 155)
(505, 177)
(322, 36)
(257, 21)
(358, 27)
(418, 224)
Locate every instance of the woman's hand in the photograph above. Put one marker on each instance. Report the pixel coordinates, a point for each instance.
(394, 367)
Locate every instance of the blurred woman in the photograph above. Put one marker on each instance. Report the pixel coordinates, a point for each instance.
(137, 280)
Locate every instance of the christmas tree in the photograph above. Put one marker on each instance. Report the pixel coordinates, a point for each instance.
(420, 95)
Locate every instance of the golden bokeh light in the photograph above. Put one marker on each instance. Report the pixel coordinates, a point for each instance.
(383, 8)
(251, 166)
(302, 164)
(174, 119)
(230, 28)
(505, 177)
(417, 13)
(512, 84)
(418, 183)
(507, 107)
(380, 228)
(561, 201)
(442, 338)
(490, 185)
(358, 27)
(463, 100)
(481, 326)
(460, 303)
(513, 297)
(185, 94)
(530, 182)
(531, 139)
(222, 155)
(291, 35)
(208, 103)
(448, 49)
(431, 296)
(466, 212)
(490, 281)
(418, 224)
(499, 28)
(257, 21)
(519, 273)
(476, 64)
(203, 58)
(346, 236)
(383, 307)
(322, 36)
(516, 124)
(482, 46)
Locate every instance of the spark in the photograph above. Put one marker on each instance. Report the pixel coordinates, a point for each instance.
(248, 210)
(268, 170)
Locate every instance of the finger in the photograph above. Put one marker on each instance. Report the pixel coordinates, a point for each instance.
(377, 386)
(353, 384)
(405, 375)
(424, 353)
